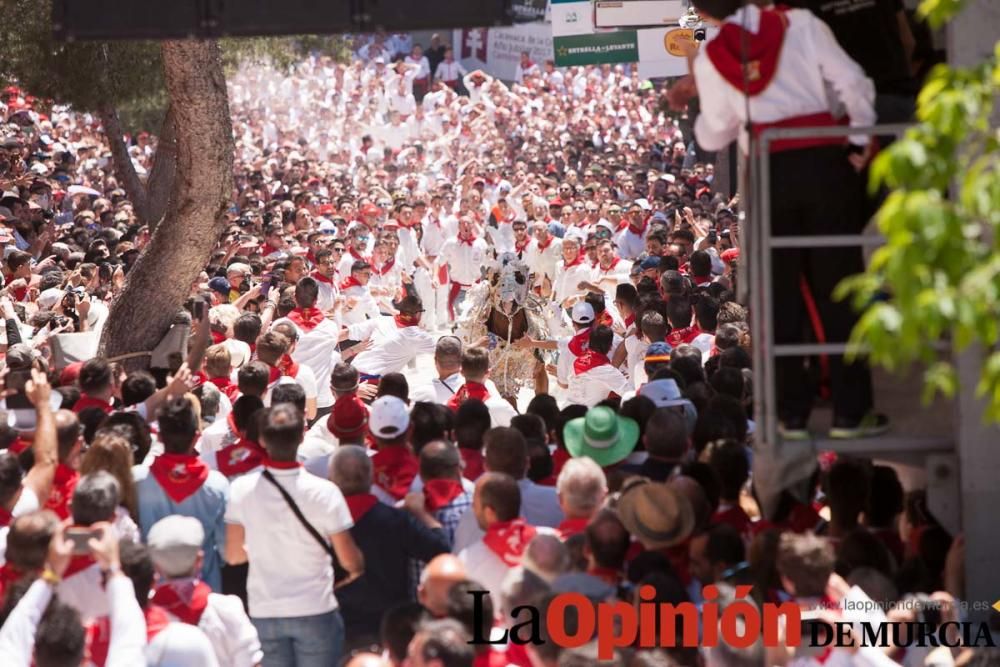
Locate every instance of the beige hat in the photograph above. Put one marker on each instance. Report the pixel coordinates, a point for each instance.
(174, 542)
(657, 515)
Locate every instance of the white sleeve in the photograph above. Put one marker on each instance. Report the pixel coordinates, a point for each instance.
(128, 626)
(717, 125)
(242, 641)
(336, 516)
(17, 638)
(854, 89)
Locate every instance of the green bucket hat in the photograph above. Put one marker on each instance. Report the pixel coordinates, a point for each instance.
(601, 435)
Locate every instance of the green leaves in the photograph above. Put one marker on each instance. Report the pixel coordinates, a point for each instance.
(937, 279)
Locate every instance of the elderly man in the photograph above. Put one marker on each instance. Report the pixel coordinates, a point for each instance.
(581, 488)
(389, 538)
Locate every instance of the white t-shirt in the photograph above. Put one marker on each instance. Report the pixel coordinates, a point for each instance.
(290, 574)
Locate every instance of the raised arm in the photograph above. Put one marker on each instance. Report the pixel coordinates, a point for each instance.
(39, 478)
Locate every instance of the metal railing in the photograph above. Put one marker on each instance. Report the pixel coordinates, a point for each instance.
(759, 259)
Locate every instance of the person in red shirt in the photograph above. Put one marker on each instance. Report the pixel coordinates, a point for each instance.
(395, 465)
(69, 436)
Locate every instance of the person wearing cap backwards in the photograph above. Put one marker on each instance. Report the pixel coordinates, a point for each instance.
(395, 465)
(594, 378)
(465, 253)
(175, 549)
(819, 192)
(290, 586)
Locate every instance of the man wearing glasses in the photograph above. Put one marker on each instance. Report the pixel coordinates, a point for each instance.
(632, 240)
(326, 275)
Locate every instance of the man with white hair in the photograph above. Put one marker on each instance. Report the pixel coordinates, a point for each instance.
(581, 488)
(175, 547)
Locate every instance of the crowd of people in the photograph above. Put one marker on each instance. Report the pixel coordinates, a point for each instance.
(298, 488)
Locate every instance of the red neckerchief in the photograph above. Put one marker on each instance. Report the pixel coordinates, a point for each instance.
(217, 337)
(186, 599)
(9, 575)
(5, 517)
(629, 320)
(470, 390)
(19, 445)
(179, 475)
(62, 490)
(570, 527)
(359, 504)
(280, 465)
(543, 246)
(357, 255)
(395, 467)
(288, 366)
(273, 375)
(321, 278)
(473, 460)
(605, 319)
(735, 517)
(99, 633)
(350, 282)
(467, 240)
(385, 268)
(403, 320)
(240, 457)
(307, 319)
(589, 360)
(761, 51)
(685, 335)
(78, 564)
(440, 492)
(638, 231)
(509, 539)
(86, 402)
(580, 343)
(614, 263)
(699, 280)
(522, 247)
(576, 262)
(559, 459)
(226, 386)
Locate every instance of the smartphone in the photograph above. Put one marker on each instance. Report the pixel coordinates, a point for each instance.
(80, 538)
(265, 286)
(198, 309)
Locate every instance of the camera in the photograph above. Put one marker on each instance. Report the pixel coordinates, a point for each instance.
(693, 22)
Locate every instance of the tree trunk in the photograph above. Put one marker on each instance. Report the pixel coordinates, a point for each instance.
(161, 279)
(160, 183)
(125, 173)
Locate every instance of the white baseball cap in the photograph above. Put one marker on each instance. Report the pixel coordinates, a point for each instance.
(174, 542)
(583, 313)
(388, 417)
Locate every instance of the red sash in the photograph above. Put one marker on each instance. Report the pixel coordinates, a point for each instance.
(307, 319)
(509, 539)
(86, 402)
(763, 51)
(469, 390)
(473, 459)
(588, 360)
(179, 475)
(62, 490)
(240, 457)
(185, 599)
(440, 492)
(359, 504)
(395, 467)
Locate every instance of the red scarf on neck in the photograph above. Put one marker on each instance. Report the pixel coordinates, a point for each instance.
(185, 599)
(473, 390)
(350, 282)
(543, 246)
(5, 517)
(761, 50)
(570, 527)
(306, 319)
(86, 402)
(638, 231)
(288, 366)
(273, 375)
(588, 360)
(466, 240)
(321, 278)
(576, 262)
(473, 460)
(217, 337)
(403, 320)
(629, 320)
(614, 263)
(62, 490)
(179, 475)
(357, 255)
(521, 247)
(580, 343)
(359, 504)
(385, 268)
(509, 539)
(394, 468)
(240, 457)
(605, 319)
(78, 564)
(9, 575)
(226, 386)
(440, 492)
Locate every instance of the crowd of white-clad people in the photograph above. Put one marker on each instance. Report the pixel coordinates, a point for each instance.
(291, 490)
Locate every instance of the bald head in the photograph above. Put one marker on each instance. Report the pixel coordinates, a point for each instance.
(440, 460)
(547, 557)
(351, 470)
(436, 580)
(68, 434)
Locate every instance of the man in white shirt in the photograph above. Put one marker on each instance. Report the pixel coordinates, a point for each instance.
(525, 67)
(572, 271)
(290, 584)
(593, 378)
(449, 71)
(544, 253)
(798, 63)
(175, 549)
(464, 255)
(448, 363)
(359, 303)
(396, 341)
